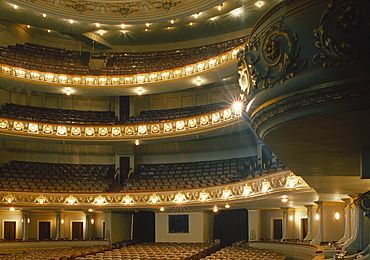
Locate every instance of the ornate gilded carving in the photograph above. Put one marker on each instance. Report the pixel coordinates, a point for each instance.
(269, 58)
(343, 33)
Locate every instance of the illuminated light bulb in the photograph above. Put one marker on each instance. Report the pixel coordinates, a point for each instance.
(137, 142)
(336, 215)
(172, 21)
(146, 29)
(227, 206)
(219, 7)
(162, 209)
(215, 209)
(92, 221)
(259, 4)
(68, 92)
(198, 82)
(49, 30)
(213, 18)
(71, 21)
(147, 24)
(284, 200)
(90, 210)
(236, 12)
(291, 217)
(28, 26)
(44, 15)
(28, 220)
(139, 92)
(196, 15)
(123, 26)
(190, 23)
(12, 209)
(97, 25)
(15, 6)
(62, 221)
(237, 106)
(317, 216)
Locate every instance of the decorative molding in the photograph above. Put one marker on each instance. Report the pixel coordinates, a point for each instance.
(278, 184)
(343, 33)
(271, 57)
(120, 80)
(305, 99)
(213, 120)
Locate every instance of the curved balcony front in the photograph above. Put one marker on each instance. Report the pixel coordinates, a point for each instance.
(305, 76)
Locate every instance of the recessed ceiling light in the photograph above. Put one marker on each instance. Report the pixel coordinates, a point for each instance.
(162, 209)
(172, 21)
(236, 11)
(191, 23)
(284, 200)
(44, 15)
(147, 24)
(123, 25)
(124, 31)
(97, 25)
(219, 7)
(196, 15)
(71, 21)
(213, 18)
(15, 6)
(259, 4)
(28, 26)
(137, 142)
(146, 29)
(49, 30)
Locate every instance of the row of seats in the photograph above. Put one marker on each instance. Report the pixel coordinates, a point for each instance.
(172, 176)
(59, 253)
(176, 113)
(65, 116)
(157, 251)
(62, 116)
(62, 61)
(147, 62)
(46, 59)
(245, 253)
(51, 177)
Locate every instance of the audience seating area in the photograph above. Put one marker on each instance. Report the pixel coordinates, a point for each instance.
(61, 116)
(176, 113)
(62, 61)
(46, 59)
(157, 251)
(244, 253)
(52, 177)
(63, 253)
(147, 62)
(196, 174)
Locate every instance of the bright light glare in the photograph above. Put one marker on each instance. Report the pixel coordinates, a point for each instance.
(237, 106)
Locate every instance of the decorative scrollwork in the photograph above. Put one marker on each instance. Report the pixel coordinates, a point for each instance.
(271, 57)
(343, 33)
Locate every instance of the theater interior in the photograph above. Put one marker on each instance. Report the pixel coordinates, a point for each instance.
(184, 129)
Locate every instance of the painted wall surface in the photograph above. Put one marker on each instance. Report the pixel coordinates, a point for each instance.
(254, 225)
(35, 218)
(208, 220)
(120, 226)
(299, 214)
(186, 98)
(55, 101)
(199, 228)
(333, 229)
(11, 216)
(267, 217)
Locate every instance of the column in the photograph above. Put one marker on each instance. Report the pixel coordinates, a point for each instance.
(319, 212)
(108, 225)
(288, 224)
(25, 217)
(87, 226)
(57, 225)
(254, 224)
(356, 243)
(310, 219)
(347, 222)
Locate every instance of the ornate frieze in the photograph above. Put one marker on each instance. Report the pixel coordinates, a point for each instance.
(269, 184)
(343, 33)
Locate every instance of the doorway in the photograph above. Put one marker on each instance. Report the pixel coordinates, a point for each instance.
(9, 230)
(277, 228)
(44, 230)
(304, 227)
(77, 230)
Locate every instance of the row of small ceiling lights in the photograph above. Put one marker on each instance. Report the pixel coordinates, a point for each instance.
(235, 12)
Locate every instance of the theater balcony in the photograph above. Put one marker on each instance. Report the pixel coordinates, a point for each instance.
(305, 76)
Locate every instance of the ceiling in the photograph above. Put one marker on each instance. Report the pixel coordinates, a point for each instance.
(149, 26)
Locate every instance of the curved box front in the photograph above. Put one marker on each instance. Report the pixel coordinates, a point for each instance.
(305, 66)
